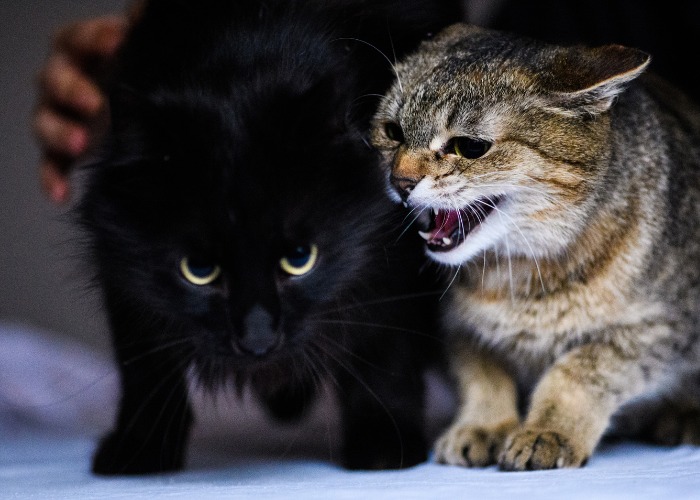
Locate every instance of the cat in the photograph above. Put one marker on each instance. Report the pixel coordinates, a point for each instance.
(559, 186)
(240, 230)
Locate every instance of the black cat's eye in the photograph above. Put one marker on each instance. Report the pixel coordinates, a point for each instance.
(394, 132)
(299, 260)
(467, 147)
(199, 273)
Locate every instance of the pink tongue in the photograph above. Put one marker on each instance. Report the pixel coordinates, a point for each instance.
(445, 223)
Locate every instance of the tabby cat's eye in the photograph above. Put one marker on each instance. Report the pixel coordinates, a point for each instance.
(199, 273)
(394, 132)
(299, 260)
(467, 147)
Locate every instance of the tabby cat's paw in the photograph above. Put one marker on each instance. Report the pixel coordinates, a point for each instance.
(472, 446)
(535, 449)
(675, 426)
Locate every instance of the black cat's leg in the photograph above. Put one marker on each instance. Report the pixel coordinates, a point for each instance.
(154, 416)
(382, 407)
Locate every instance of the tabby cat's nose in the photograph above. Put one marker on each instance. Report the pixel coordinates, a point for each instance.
(403, 185)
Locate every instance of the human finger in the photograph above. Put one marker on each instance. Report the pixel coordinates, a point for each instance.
(64, 85)
(54, 179)
(85, 40)
(59, 134)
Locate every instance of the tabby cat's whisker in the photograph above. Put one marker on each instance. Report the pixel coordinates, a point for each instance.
(454, 278)
(525, 239)
(408, 226)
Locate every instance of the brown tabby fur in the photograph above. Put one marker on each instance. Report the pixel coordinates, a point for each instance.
(580, 291)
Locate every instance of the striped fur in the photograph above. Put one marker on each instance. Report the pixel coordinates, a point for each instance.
(580, 291)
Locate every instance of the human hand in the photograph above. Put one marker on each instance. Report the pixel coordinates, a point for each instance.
(71, 102)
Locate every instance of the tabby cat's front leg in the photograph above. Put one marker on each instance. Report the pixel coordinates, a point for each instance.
(487, 414)
(572, 405)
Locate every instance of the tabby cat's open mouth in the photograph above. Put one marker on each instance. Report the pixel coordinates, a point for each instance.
(444, 230)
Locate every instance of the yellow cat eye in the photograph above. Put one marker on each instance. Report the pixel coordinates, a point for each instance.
(394, 132)
(469, 148)
(299, 260)
(197, 273)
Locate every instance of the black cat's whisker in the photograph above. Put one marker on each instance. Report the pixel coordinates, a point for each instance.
(155, 350)
(377, 326)
(365, 96)
(177, 369)
(68, 397)
(327, 373)
(349, 352)
(314, 371)
(391, 64)
(350, 371)
(365, 303)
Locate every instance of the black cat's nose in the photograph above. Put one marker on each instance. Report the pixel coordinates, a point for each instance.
(260, 335)
(403, 186)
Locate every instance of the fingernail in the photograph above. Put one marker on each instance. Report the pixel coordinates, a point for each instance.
(78, 142)
(59, 192)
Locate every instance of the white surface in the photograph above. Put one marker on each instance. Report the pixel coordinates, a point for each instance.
(55, 399)
(55, 467)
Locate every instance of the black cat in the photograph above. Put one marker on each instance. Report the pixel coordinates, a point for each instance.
(240, 228)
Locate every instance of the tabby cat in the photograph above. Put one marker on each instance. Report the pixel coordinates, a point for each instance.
(240, 228)
(561, 191)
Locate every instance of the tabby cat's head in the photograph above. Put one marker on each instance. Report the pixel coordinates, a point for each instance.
(498, 142)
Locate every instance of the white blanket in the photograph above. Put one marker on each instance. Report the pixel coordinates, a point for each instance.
(57, 397)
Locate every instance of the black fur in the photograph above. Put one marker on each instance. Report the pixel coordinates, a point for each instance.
(239, 130)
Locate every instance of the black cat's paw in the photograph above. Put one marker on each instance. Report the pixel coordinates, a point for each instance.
(119, 454)
(383, 454)
(674, 426)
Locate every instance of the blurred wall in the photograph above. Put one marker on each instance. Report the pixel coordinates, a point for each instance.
(41, 282)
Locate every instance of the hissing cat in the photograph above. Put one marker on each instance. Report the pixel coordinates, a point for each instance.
(241, 230)
(562, 192)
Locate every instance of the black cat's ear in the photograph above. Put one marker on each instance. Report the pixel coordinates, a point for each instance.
(585, 81)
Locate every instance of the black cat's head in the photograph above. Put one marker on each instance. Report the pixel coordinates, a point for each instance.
(237, 204)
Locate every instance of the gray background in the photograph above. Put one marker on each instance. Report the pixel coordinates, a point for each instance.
(41, 281)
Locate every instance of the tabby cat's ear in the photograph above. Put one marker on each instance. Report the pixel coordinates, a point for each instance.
(585, 81)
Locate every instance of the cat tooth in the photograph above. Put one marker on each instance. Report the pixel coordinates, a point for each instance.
(425, 236)
(447, 241)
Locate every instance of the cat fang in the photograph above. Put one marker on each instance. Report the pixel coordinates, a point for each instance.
(445, 229)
